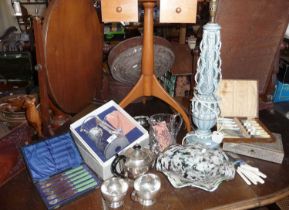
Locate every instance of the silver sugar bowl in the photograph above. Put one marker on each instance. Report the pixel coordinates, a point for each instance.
(146, 189)
(113, 191)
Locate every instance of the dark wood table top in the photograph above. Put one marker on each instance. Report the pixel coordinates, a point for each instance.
(20, 192)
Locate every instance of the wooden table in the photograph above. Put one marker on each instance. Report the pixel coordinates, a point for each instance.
(20, 193)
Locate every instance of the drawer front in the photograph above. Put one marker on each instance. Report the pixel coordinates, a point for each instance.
(119, 10)
(178, 11)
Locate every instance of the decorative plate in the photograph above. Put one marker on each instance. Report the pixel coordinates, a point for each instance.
(196, 166)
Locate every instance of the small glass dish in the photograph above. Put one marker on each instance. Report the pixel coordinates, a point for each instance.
(143, 121)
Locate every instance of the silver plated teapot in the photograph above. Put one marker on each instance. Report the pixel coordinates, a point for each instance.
(134, 162)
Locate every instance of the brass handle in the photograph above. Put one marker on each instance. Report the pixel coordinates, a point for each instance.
(178, 10)
(119, 9)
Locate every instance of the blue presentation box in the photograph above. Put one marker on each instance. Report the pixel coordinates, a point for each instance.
(58, 170)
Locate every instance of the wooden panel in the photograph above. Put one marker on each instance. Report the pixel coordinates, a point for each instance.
(73, 40)
(119, 10)
(183, 59)
(178, 11)
(238, 98)
(251, 35)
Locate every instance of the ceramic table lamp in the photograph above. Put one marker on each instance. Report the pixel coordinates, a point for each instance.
(205, 108)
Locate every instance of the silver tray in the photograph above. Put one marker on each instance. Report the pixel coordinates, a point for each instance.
(124, 59)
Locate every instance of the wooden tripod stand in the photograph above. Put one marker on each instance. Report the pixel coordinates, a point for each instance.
(148, 85)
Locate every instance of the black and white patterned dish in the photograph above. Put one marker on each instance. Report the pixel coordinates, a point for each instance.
(196, 166)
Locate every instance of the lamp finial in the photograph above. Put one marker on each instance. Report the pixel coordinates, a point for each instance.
(213, 9)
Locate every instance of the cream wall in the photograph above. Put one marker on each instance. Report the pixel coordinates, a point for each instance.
(6, 16)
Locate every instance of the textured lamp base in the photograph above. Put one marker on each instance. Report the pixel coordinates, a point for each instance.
(200, 137)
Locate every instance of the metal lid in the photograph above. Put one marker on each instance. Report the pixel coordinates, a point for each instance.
(138, 157)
